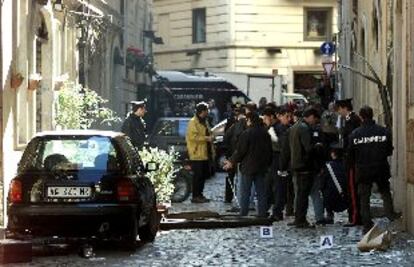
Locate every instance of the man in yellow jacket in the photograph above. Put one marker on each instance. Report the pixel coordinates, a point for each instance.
(200, 150)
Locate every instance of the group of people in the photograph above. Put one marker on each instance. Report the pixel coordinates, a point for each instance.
(285, 157)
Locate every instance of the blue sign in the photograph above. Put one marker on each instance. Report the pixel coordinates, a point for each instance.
(328, 48)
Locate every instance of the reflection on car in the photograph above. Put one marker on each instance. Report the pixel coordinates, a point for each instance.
(82, 184)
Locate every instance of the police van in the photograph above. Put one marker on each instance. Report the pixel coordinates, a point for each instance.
(176, 94)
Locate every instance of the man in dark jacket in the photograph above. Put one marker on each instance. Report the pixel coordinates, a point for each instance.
(229, 146)
(254, 152)
(301, 151)
(370, 146)
(134, 125)
(352, 121)
(280, 182)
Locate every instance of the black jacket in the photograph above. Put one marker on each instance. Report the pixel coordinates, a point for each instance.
(253, 151)
(134, 127)
(300, 150)
(369, 147)
(232, 135)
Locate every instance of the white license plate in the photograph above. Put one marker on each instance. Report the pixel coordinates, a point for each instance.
(69, 191)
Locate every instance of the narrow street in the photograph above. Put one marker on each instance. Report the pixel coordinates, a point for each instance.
(242, 246)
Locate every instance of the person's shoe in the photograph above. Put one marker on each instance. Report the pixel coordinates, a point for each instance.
(198, 200)
(320, 222)
(276, 218)
(350, 224)
(289, 213)
(292, 223)
(234, 209)
(304, 225)
(205, 199)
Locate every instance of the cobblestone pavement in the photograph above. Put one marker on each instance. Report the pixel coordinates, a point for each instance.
(244, 247)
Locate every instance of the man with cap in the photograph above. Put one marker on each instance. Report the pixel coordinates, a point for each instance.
(200, 150)
(352, 121)
(134, 125)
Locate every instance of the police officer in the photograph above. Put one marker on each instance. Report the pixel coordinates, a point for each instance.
(370, 146)
(134, 125)
(352, 121)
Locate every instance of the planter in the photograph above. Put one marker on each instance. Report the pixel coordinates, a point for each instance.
(16, 80)
(33, 84)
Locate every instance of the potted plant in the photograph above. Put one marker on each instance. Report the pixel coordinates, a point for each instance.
(16, 80)
(163, 177)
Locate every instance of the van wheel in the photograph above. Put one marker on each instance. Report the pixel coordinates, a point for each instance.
(148, 232)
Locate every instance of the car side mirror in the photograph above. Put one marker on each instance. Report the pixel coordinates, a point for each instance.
(151, 166)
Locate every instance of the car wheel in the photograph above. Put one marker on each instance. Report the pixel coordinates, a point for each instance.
(148, 232)
(130, 239)
(182, 187)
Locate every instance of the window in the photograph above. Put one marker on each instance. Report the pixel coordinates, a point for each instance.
(199, 25)
(317, 24)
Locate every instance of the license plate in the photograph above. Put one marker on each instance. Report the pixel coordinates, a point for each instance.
(69, 191)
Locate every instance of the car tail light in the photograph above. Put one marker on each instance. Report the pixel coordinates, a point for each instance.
(16, 191)
(126, 190)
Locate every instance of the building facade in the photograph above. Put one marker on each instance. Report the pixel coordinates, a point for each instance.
(47, 42)
(251, 37)
(380, 33)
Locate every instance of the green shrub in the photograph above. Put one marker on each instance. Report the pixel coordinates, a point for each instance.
(163, 177)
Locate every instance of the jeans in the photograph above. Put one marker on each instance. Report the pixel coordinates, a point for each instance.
(246, 183)
(238, 191)
(317, 199)
(304, 183)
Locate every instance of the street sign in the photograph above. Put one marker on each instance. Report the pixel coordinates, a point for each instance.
(328, 67)
(328, 48)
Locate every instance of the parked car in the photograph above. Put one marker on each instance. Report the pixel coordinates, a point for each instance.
(83, 184)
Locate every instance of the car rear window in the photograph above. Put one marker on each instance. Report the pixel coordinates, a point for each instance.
(71, 153)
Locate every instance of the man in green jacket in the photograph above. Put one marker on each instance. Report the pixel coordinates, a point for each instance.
(200, 150)
(300, 154)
